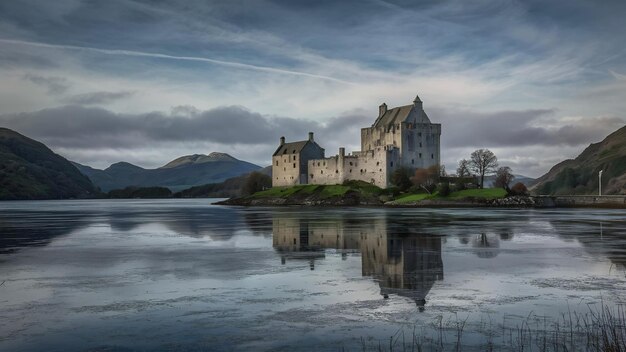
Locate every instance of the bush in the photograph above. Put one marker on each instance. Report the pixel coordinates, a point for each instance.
(401, 178)
(256, 182)
(444, 189)
(519, 189)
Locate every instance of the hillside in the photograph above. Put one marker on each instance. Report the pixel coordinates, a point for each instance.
(580, 175)
(30, 170)
(181, 173)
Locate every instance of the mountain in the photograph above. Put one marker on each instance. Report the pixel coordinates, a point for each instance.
(181, 173)
(30, 170)
(198, 159)
(580, 175)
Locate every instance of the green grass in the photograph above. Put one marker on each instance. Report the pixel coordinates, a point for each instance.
(333, 191)
(324, 191)
(487, 193)
(410, 198)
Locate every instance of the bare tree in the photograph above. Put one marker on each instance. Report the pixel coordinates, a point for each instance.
(483, 162)
(463, 169)
(504, 176)
(426, 178)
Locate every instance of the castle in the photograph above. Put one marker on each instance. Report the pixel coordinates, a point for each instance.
(400, 137)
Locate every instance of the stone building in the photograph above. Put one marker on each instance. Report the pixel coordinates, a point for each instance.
(399, 137)
(290, 161)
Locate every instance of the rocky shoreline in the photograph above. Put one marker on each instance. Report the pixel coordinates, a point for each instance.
(357, 200)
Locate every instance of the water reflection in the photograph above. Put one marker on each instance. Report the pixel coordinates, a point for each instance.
(403, 261)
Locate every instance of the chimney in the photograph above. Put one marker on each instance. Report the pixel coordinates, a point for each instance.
(310, 136)
(382, 109)
(342, 158)
(282, 140)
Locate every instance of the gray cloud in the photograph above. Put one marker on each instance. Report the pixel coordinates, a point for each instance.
(76, 126)
(53, 85)
(521, 128)
(96, 98)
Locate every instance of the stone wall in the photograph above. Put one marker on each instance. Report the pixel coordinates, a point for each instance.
(609, 201)
(373, 167)
(285, 170)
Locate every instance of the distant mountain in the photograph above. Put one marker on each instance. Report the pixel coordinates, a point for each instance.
(181, 173)
(30, 170)
(198, 159)
(580, 175)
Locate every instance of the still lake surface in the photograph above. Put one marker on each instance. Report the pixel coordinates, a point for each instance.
(187, 275)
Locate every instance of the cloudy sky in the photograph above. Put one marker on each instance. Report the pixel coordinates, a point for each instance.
(146, 81)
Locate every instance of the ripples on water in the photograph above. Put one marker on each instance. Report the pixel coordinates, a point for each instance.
(183, 274)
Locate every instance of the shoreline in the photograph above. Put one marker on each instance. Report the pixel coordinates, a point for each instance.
(525, 202)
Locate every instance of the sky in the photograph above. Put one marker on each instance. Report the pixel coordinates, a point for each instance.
(147, 81)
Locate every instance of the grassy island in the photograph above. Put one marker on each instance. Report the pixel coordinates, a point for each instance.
(362, 193)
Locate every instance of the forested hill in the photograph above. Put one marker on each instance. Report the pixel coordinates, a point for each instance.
(30, 170)
(580, 175)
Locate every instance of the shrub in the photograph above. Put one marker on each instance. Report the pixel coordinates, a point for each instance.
(444, 189)
(519, 189)
(401, 178)
(256, 182)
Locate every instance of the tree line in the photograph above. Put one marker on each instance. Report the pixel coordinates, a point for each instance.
(481, 163)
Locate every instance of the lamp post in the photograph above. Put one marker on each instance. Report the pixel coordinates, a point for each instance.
(600, 183)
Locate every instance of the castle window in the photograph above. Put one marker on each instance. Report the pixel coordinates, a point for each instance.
(351, 163)
(285, 151)
(420, 155)
(336, 171)
(294, 151)
(324, 163)
(294, 165)
(381, 170)
(294, 157)
(311, 175)
(432, 156)
(412, 161)
(318, 164)
(350, 170)
(276, 162)
(321, 172)
(420, 144)
(377, 163)
(284, 169)
(391, 164)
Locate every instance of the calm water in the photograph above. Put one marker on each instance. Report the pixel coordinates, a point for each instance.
(187, 275)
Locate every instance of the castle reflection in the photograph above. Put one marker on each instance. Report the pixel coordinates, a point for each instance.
(402, 260)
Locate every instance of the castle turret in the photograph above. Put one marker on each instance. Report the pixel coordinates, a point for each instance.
(342, 156)
(417, 102)
(282, 140)
(311, 137)
(382, 109)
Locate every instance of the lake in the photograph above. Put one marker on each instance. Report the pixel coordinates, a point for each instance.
(109, 275)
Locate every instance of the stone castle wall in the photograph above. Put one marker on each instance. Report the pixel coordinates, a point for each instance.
(373, 166)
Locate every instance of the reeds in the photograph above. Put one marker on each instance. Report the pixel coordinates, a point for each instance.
(600, 329)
